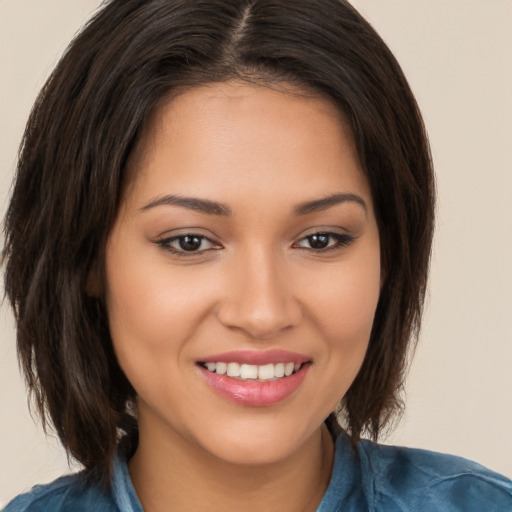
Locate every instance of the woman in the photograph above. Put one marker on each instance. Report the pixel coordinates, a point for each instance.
(217, 250)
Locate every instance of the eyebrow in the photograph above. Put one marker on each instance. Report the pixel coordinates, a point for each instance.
(324, 203)
(192, 203)
(214, 208)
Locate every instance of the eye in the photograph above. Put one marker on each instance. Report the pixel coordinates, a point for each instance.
(189, 243)
(325, 241)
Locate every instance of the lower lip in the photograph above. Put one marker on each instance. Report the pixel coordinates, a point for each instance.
(252, 392)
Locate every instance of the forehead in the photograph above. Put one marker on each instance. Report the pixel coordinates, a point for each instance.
(224, 134)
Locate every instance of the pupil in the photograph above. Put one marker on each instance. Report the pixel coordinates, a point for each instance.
(190, 243)
(319, 241)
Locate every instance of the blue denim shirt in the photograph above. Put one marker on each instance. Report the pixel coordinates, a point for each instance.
(375, 478)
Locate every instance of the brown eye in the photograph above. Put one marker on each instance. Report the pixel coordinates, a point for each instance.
(325, 241)
(319, 241)
(190, 242)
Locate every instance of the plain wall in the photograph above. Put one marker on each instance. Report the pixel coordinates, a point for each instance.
(457, 56)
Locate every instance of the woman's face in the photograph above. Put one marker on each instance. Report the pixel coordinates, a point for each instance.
(246, 242)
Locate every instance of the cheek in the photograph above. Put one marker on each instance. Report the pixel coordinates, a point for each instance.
(346, 309)
(145, 336)
(344, 314)
(148, 302)
(151, 311)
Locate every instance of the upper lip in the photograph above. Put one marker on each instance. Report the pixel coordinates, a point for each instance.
(257, 357)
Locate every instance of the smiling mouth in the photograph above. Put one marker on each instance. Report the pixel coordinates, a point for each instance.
(242, 371)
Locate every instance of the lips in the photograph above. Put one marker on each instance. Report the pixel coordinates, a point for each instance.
(254, 378)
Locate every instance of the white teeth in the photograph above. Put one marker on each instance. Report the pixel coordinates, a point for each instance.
(233, 370)
(248, 371)
(279, 370)
(221, 369)
(266, 372)
(211, 366)
(251, 371)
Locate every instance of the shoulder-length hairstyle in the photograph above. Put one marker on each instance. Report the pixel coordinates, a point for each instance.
(72, 167)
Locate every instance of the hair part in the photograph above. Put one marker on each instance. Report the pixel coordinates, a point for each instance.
(73, 165)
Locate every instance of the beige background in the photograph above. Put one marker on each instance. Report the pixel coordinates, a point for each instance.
(457, 55)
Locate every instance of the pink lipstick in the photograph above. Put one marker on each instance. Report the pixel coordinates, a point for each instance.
(255, 378)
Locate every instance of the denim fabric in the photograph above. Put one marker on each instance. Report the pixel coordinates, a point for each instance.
(379, 478)
(373, 478)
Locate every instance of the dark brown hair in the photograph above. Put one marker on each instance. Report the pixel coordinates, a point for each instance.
(72, 165)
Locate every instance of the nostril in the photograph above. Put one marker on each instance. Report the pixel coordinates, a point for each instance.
(258, 301)
(257, 325)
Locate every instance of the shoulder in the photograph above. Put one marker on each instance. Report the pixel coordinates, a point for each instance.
(414, 479)
(66, 494)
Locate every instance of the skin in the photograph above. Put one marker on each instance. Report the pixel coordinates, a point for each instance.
(258, 285)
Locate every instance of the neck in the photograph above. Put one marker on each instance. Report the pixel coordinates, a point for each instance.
(190, 479)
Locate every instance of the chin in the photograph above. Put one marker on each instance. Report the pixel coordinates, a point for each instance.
(257, 445)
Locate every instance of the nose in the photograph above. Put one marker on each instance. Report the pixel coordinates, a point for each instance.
(259, 299)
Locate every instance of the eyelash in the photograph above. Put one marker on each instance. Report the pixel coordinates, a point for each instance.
(341, 240)
(166, 244)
